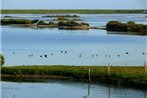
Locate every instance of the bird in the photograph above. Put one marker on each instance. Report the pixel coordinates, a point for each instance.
(143, 53)
(65, 51)
(127, 52)
(45, 55)
(80, 55)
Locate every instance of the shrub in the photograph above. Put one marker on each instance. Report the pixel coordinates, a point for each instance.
(2, 60)
(83, 23)
(61, 23)
(116, 26)
(125, 27)
(68, 23)
(52, 24)
(35, 21)
(73, 23)
(131, 23)
(15, 21)
(42, 23)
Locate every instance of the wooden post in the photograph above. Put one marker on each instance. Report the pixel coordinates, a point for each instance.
(89, 84)
(89, 75)
(145, 66)
(126, 67)
(108, 68)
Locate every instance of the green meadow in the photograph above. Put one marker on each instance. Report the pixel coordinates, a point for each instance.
(133, 76)
(79, 11)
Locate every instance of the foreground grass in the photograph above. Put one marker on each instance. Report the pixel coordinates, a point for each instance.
(94, 11)
(123, 76)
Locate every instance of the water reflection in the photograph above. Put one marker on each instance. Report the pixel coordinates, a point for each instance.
(89, 85)
(109, 91)
(145, 95)
(89, 90)
(65, 89)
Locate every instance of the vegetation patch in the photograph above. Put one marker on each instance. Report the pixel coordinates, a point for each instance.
(94, 11)
(15, 21)
(127, 27)
(67, 16)
(2, 60)
(124, 76)
(62, 22)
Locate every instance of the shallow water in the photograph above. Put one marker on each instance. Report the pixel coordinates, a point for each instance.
(92, 47)
(64, 89)
(32, 46)
(51, 46)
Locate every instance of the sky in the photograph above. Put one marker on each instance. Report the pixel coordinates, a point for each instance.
(73, 4)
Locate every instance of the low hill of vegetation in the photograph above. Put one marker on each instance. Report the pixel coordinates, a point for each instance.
(131, 26)
(61, 22)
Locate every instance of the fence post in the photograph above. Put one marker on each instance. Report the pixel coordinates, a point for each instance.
(145, 66)
(108, 68)
(89, 75)
(126, 67)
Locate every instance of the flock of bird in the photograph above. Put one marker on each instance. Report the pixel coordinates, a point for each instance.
(80, 55)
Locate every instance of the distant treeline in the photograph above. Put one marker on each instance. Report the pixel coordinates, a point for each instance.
(84, 11)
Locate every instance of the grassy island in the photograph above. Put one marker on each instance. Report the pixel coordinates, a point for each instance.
(61, 23)
(140, 29)
(117, 75)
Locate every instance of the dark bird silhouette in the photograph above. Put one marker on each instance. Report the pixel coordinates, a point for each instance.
(61, 51)
(92, 55)
(118, 55)
(30, 55)
(41, 56)
(127, 52)
(65, 51)
(45, 55)
(80, 55)
(51, 53)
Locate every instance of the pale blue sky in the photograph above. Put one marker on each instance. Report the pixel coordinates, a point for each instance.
(73, 4)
